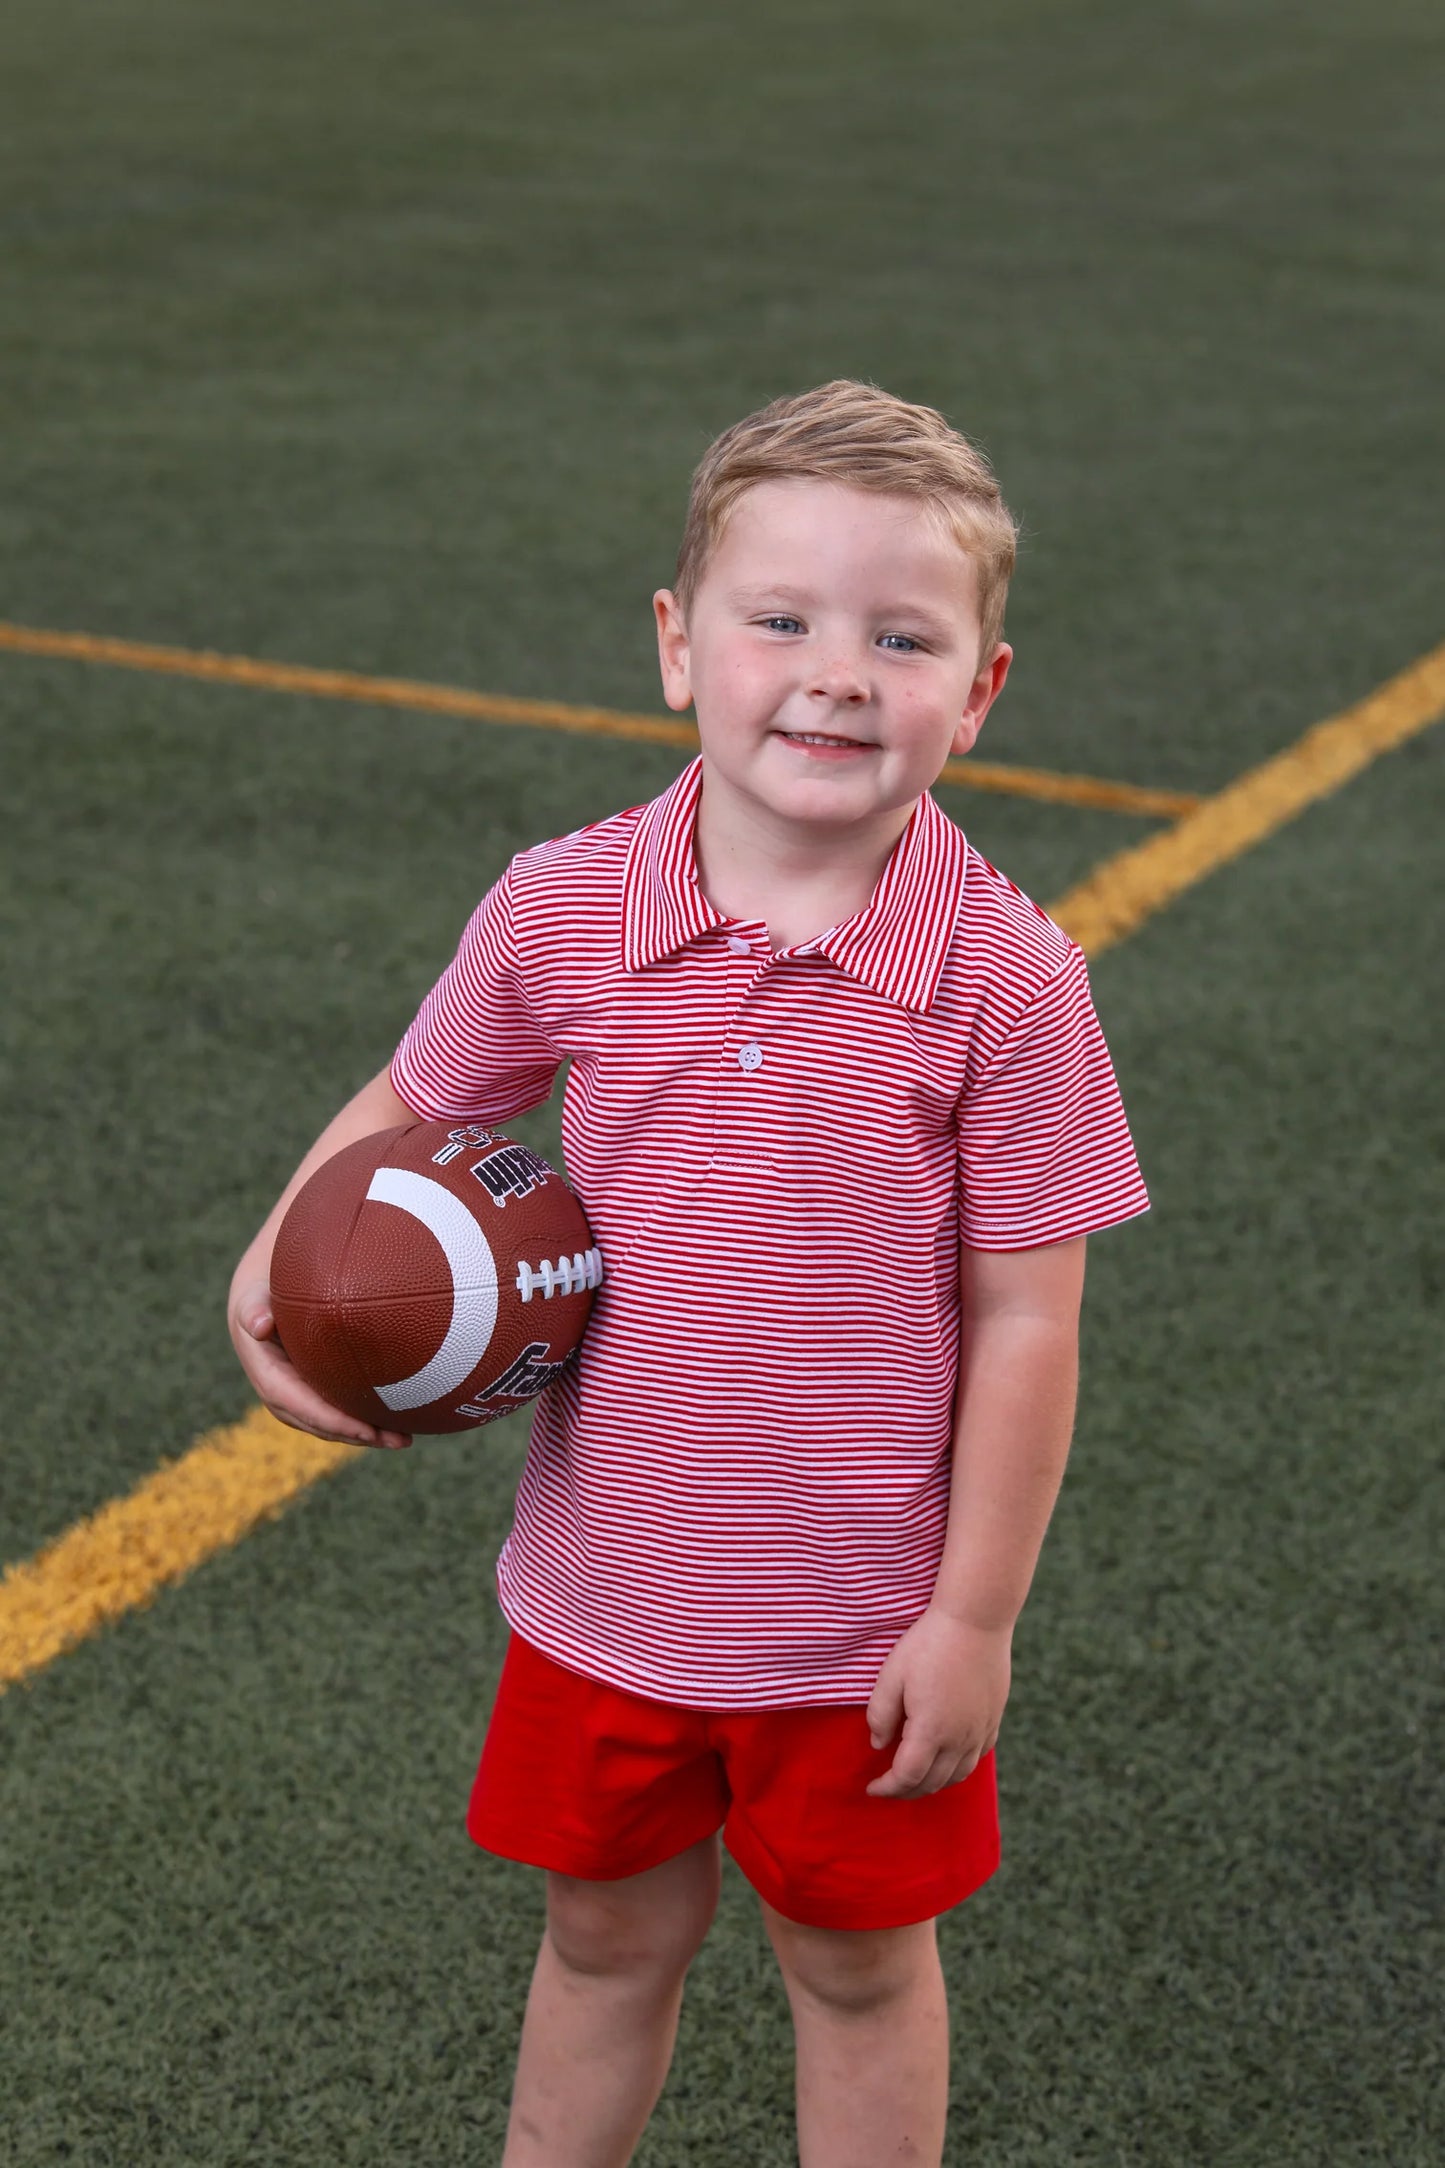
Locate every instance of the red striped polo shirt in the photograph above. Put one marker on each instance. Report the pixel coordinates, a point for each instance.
(737, 1495)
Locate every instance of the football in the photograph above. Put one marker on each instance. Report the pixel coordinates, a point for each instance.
(433, 1278)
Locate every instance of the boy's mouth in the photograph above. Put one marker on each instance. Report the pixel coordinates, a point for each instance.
(824, 741)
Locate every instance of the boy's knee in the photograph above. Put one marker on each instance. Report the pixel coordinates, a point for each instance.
(852, 1969)
(650, 1923)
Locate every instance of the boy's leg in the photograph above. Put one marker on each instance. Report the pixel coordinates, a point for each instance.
(871, 2020)
(602, 2014)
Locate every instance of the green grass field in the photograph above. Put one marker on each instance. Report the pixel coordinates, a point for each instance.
(387, 340)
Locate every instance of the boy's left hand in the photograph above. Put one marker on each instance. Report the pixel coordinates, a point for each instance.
(947, 1682)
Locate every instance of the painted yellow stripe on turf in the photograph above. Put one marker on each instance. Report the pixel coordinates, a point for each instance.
(1132, 886)
(288, 677)
(1084, 790)
(234, 1478)
(284, 677)
(173, 1521)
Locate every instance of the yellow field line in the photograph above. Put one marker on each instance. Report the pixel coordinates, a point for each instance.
(285, 677)
(233, 1478)
(178, 1517)
(1130, 887)
(1083, 790)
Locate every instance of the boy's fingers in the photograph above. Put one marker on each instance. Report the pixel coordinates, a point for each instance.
(294, 1403)
(911, 1774)
(912, 1762)
(325, 1427)
(948, 1766)
(251, 1309)
(883, 1712)
(319, 1428)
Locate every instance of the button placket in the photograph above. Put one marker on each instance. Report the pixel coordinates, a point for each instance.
(744, 1123)
(748, 1050)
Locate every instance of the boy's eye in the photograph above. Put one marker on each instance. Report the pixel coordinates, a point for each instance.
(782, 620)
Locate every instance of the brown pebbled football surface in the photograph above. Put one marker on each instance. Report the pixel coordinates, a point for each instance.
(395, 1277)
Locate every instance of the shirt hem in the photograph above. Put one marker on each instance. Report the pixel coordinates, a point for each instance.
(1068, 1234)
(816, 1693)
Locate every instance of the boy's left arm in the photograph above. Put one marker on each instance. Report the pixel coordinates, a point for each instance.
(947, 1678)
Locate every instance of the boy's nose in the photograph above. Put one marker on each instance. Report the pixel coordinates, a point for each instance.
(840, 677)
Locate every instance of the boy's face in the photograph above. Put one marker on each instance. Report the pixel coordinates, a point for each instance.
(832, 655)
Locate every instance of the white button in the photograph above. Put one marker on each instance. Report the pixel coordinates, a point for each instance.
(739, 946)
(750, 1056)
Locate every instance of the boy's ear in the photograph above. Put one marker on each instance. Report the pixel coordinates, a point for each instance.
(982, 694)
(672, 650)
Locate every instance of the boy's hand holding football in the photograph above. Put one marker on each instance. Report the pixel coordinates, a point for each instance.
(248, 1308)
(278, 1386)
(947, 1682)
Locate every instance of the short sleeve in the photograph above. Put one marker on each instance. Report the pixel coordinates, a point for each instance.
(1044, 1147)
(475, 1051)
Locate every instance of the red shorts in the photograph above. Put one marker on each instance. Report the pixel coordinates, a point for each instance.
(591, 1781)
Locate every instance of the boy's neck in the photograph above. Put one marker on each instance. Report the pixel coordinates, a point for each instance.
(799, 882)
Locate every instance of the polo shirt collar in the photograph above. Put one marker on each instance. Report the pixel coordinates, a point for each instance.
(896, 944)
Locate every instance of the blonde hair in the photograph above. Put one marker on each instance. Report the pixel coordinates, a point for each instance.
(854, 433)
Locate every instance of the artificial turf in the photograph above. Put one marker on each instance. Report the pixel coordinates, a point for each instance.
(389, 341)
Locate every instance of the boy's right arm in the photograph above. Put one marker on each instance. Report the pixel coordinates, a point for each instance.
(248, 1312)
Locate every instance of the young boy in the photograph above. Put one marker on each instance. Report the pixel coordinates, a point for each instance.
(841, 1116)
